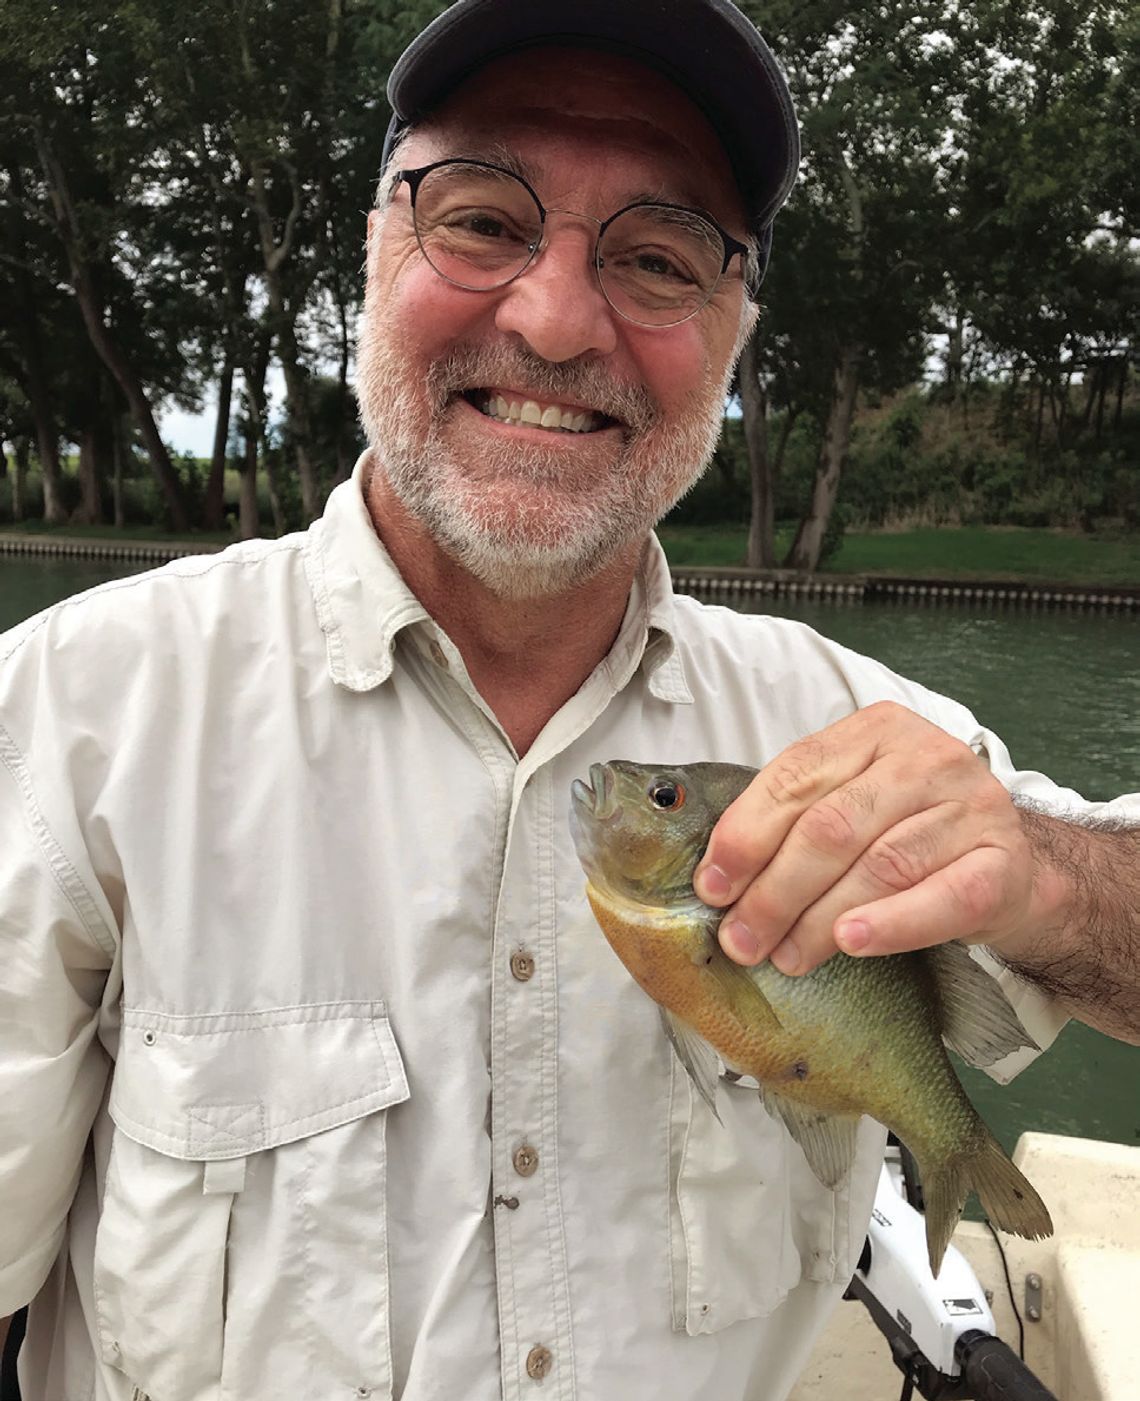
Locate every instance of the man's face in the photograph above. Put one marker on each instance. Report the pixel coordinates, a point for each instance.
(532, 510)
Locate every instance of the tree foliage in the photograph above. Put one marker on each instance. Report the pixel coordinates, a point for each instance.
(182, 204)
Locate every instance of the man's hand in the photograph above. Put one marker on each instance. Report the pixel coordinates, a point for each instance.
(880, 833)
(883, 833)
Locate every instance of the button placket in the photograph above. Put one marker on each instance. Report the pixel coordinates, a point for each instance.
(529, 1241)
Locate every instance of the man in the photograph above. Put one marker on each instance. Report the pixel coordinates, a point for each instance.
(294, 927)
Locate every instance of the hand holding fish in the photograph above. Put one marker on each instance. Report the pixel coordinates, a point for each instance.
(879, 834)
(883, 833)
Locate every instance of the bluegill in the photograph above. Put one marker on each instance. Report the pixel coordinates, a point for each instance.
(855, 1036)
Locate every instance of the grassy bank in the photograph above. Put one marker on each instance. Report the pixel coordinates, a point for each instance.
(963, 552)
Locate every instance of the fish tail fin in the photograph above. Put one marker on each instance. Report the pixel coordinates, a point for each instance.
(1007, 1197)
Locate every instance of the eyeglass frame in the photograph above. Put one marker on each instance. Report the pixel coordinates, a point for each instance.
(732, 246)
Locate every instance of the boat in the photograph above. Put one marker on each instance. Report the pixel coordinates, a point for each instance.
(1062, 1309)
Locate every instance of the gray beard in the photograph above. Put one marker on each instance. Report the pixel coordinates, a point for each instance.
(537, 555)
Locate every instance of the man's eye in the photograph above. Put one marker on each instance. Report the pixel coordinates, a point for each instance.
(659, 265)
(482, 223)
(667, 796)
(486, 225)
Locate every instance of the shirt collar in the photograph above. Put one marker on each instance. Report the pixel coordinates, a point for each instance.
(363, 603)
(361, 599)
(661, 656)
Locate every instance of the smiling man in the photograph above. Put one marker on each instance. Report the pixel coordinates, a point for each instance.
(318, 1079)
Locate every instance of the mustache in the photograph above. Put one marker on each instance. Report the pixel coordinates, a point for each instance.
(585, 382)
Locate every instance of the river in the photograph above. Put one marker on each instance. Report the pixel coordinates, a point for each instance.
(1061, 688)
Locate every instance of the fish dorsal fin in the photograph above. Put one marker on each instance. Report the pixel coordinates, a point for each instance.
(977, 1020)
(696, 1055)
(828, 1140)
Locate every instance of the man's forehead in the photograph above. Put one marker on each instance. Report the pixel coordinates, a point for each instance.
(598, 98)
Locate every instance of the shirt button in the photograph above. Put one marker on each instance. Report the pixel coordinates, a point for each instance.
(525, 1160)
(539, 1361)
(522, 966)
(437, 655)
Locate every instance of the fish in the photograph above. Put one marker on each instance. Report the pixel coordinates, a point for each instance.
(854, 1037)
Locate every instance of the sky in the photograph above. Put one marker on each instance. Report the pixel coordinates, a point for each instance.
(194, 432)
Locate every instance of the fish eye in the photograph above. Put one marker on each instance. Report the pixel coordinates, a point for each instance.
(667, 796)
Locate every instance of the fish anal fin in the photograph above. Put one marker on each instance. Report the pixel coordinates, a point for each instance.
(977, 1019)
(696, 1055)
(827, 1140)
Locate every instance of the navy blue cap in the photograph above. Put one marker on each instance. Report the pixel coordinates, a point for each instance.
(707, 47)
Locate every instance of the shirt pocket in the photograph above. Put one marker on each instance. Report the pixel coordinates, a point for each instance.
(241, 1250)
(749, 1219)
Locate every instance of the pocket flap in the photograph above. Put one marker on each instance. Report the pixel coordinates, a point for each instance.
(222, 1086)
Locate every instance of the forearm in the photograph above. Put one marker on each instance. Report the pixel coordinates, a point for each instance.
(1083, 947)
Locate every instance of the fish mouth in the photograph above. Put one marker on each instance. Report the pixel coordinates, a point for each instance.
(598, 798)
(593, 808)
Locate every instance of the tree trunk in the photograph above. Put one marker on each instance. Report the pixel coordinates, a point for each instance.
(344, 463)
(249, 524)
(253, 397)
(1103, 390)
(754, 404)
(808, 544)
(1122, 380)
(87, 512)
(121, 429)
(106, 346)
(21, 451)
(297, 410)
(214, 505)
(26, 332)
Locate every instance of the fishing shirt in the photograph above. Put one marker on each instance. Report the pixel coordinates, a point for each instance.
(317, 1078)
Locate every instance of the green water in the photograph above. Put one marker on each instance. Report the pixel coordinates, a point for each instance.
(1063, 691)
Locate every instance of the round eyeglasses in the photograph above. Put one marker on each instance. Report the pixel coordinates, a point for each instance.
(480, 226)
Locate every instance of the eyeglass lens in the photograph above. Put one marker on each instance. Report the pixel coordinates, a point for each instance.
(480, 227)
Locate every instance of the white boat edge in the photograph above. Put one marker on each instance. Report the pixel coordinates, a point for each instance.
(1085, 1344)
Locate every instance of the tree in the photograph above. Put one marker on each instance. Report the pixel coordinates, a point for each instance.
(855, 265)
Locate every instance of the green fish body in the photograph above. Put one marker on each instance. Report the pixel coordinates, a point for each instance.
(855, 1036)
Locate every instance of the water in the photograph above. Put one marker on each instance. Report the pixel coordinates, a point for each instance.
(1063, 691)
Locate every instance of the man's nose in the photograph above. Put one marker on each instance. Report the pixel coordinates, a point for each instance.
(557, 306)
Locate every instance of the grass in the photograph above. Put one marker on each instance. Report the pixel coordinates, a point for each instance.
(961, 552)
(121, 534)
(946, 552)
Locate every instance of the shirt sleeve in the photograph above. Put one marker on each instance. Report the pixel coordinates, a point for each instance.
(56, 949)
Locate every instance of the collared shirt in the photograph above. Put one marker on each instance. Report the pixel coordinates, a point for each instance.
(317, 1078)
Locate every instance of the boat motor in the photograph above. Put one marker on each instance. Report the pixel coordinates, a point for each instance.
(940, 1330)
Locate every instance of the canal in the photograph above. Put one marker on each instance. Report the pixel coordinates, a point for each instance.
(1061, 688)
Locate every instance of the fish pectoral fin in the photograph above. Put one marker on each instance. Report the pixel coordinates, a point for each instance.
(977, 1019)
(696, 1055)
(827, 1140)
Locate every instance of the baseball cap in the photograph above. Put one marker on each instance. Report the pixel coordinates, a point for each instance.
(707, 47)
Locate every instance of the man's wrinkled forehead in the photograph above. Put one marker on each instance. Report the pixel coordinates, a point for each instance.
(614, 103)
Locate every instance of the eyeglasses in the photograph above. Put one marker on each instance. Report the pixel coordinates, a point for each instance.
(481, 226)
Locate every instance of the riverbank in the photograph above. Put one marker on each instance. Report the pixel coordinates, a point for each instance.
(934, 566)
(957, 554)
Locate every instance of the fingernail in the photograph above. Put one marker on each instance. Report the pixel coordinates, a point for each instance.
(742, 943)
(854, 936)
(785, 957)
(713, 885)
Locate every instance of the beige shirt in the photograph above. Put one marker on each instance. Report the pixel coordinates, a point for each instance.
(317, 1079)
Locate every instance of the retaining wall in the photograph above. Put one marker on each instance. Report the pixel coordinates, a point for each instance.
(726, 585)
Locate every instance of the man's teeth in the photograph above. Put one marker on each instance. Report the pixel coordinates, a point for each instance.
(550, 416)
